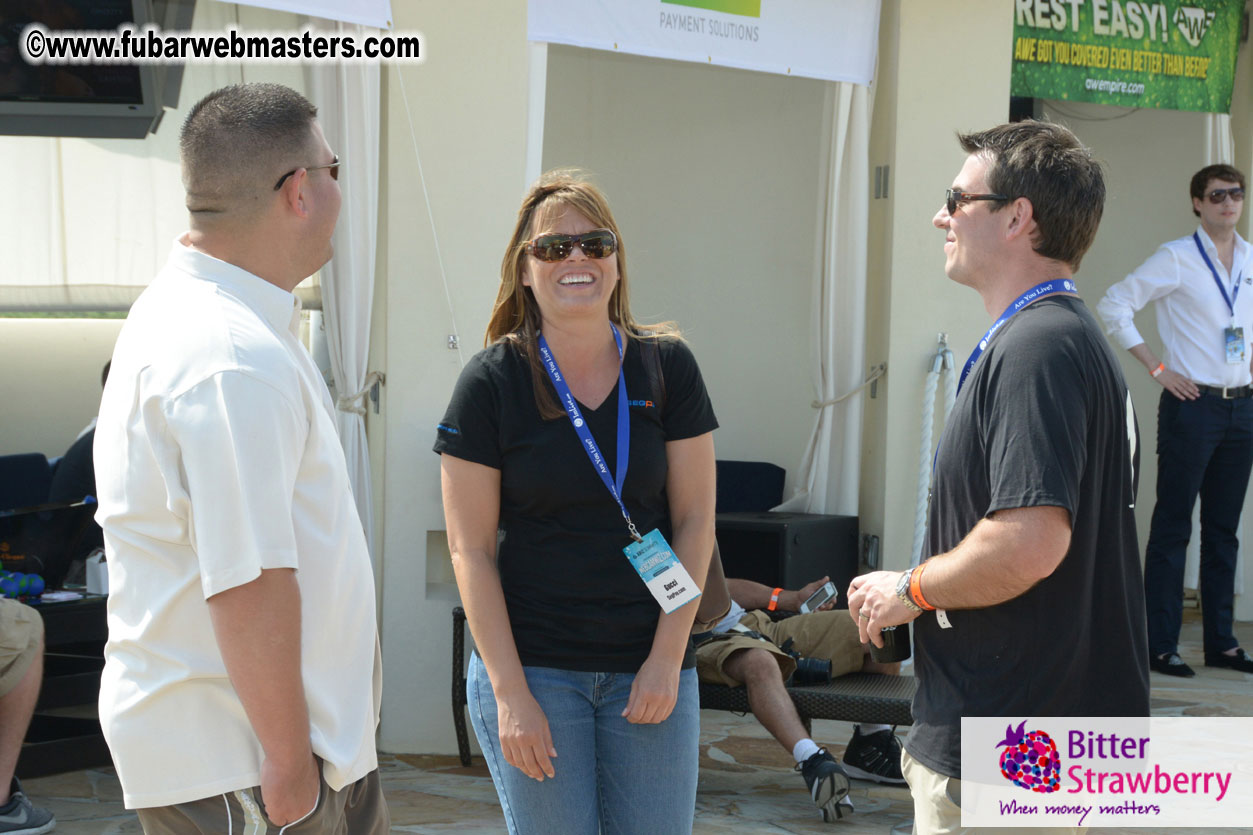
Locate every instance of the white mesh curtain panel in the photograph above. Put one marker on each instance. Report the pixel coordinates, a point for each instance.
(89, 222)
(829, 475)
(369, 12)
(33, 238)
(92, 222)
(347, 98)
(1220, 144)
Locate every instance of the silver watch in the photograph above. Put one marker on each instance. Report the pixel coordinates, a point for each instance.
(902, 591)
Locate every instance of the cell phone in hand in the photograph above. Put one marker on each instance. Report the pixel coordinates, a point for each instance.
(823, 595)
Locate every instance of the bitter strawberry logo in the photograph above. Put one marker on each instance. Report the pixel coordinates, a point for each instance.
(1030, 759)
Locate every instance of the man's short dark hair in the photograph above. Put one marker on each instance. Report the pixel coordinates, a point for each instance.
(1201, 179)
(237, 141)
(1047, 164)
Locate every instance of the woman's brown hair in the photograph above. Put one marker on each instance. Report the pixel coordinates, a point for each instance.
(516, 315)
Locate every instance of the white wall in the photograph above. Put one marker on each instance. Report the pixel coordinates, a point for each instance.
(1147, 204)
(713, 176)
(468, 107)
(929, 88)
(50, 380)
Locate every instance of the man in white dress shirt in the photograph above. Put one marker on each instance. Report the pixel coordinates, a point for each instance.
(1200, 284)
(241, 684)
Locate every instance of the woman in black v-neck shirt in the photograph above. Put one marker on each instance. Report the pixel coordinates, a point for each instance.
(582, 692)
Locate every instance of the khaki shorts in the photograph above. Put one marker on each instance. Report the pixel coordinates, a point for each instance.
(21, 640)
(938, 806)
(356, 809)
(830, 634)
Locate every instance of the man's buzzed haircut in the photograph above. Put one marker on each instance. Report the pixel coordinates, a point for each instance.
(237, 141)
(1048, 165)
(1201, 179)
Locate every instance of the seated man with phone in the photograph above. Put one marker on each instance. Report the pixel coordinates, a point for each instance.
(737, 643)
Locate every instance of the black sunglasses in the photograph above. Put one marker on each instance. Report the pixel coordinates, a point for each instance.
(599, 243)
(954, 198)
(1219, 195)
(333, 167)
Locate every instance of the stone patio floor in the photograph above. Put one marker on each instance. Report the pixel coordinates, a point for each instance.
(747, 784)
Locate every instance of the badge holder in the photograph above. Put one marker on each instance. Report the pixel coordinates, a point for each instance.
(1233, 344)
(654, 560)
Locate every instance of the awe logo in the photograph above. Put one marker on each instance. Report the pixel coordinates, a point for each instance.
(1030, 759)
(1193, 22)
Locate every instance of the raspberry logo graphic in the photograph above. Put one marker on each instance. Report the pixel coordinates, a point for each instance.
(1030, 759)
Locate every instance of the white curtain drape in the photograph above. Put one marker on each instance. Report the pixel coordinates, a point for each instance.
(829, 476)
(91, 221)
(1220, 143)
(375, 13)
(1220, 147)
(347, 96)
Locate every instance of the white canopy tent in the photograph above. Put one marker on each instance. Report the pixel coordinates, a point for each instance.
(105, 211)
(98, 216)
(375, 14)
(833, 42)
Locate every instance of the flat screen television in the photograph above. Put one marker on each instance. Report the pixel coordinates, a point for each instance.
(89, 100)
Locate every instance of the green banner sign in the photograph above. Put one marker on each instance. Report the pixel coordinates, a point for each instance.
(1171, 54)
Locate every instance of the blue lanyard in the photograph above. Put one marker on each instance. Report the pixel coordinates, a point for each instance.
(1230, 300)
(1048, 288)
(585, 435)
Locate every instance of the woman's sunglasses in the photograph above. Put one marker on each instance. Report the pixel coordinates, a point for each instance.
(1219, 195)
(599, 243)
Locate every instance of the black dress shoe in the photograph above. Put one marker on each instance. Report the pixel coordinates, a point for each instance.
(1240, 661)
(1171, 664)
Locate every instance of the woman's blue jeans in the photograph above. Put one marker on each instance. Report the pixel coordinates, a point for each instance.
(612, 776)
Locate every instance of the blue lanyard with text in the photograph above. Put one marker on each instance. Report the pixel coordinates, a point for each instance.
(614, 483)
(1235, 291)
(1047, 288)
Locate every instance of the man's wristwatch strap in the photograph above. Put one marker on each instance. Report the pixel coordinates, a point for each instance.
(902, 591)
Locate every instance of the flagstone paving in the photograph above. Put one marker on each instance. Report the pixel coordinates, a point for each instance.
(747, 784)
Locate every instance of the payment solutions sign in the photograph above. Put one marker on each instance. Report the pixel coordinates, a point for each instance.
(811, 38)
(1107, 771)
(1171, 54)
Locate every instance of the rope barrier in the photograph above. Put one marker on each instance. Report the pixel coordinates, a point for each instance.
(875, 373)
(355, 403)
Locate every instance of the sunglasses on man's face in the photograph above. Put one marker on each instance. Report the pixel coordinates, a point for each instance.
(599, 243)
(1219, 195)
(955, 197)
(331, 167)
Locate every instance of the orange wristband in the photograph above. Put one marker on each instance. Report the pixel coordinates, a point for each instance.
(915, 588)
(1161, 366)
(774, 599)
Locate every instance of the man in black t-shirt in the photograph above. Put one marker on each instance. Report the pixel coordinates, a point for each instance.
(1032, 558)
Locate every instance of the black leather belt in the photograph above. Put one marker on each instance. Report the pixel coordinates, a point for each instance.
(1227, 392)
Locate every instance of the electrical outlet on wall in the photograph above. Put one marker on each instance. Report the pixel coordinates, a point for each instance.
(870, 551)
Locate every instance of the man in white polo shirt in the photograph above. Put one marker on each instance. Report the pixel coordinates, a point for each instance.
(1200, 286)
(241, 682)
